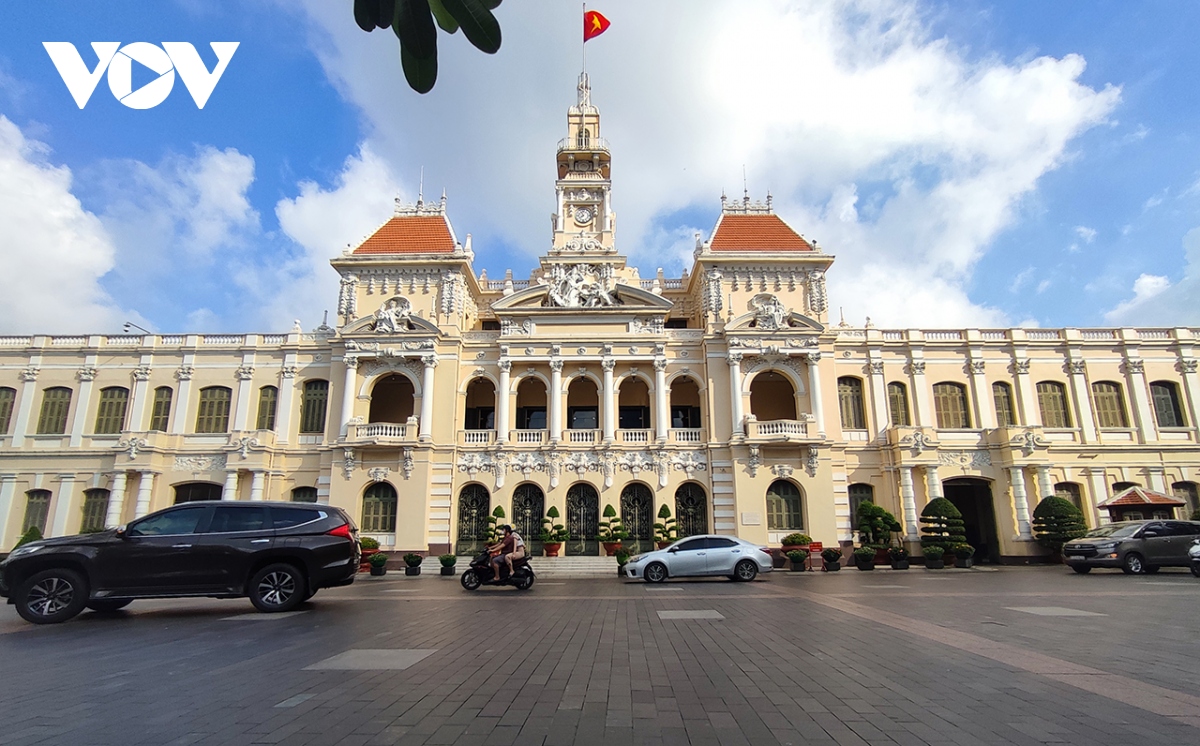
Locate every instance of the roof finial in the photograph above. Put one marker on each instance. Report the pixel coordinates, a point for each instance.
(421, 188)
(745, 187)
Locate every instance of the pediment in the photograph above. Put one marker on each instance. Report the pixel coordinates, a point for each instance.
(394, 317)
(542, 299)
(790, 321)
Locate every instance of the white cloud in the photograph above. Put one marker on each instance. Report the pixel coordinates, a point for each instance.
(1145, 289)
(1157, 301)
(54, 251)
(1087, 234)
(1021, 280)
(1155, 201)
(946, 144)
(1043, 286)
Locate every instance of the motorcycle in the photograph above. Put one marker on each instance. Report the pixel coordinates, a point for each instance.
(479, 572)
(1194, 558)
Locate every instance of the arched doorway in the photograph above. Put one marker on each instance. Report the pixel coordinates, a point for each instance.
(973, 498)
(633, 405)
(480, 411)
(474, 507)
(531, 404)
(528, 510)
(583, 520)
(637, 516)
(197, 491)
(691, 510)
(772, 397)
(392, 399)
(583, 405)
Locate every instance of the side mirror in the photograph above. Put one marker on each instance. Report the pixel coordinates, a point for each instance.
(673, 550)
(122, 532)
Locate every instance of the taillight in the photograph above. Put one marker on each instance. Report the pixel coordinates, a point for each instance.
(342, 531)
(765, 550)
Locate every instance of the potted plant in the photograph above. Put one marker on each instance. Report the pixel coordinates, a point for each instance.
(831, 559)
(612, 532)
(1055, 522)
(553, 534)
(413, 564)
(622, 556)
(378, 563)
(941, 528)
(875, 528)
(798, 557)
(494, 522)
(665, 532)
(898, 556)
(448, 561)
(369, 547)
(962, 555)
(864, 558)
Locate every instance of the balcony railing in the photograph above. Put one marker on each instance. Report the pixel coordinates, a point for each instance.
(591, 144)
(582, 436)
(776, 429)
(476, 437)
(686, 435)
(528, 437)
(383, 431)
(634, 436)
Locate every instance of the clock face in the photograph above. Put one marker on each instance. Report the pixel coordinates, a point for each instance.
(583, 215)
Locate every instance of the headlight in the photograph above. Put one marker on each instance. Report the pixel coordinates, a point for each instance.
(637, 558)
(1107, 546)
(27, 549)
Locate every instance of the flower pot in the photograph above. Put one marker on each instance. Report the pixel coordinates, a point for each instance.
(832, 566)
(412, 570)
(552, 548)
(866, 564)
(932, 563)
(900, 564)
(611, 547)
(378, 570)
(882, 557)
(798, 566)
(963, 562)
(447, 570)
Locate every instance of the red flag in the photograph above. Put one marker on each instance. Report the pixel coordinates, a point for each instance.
(594, 24)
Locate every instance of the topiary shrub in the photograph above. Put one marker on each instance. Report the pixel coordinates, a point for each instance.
(493, 529)
(368, 543)
(796, 540)
(1056, 521)
(412, 560)
(875, 525)
(553, 532)
(664, 530)
(611, 528)
(33, 533)
(448, 560)
(831, 554)
(379, 559)
(941, 527)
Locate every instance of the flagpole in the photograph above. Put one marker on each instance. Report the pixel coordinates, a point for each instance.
(583, 45)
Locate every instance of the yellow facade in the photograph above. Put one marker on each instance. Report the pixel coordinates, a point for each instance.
(724, 394)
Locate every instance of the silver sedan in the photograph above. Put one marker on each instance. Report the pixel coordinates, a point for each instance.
(701, 555)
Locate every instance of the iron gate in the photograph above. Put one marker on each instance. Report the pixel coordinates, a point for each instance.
(528, 510)
(691, 510)
(637, 503)
(583, 520)
(474, 506)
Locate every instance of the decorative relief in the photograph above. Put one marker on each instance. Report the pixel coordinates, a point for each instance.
(916, 367)
(1078, 367)
(185, 373)
(406, 462)
(815, 298)
(527, 463)
(378, 473)
(581, 463)
(754, 461)
(347, 298)
(581, 351)
(660, 364)
(811, 461)
(141, 373)
(735, 358)
(200, 463)
(509, 328)
(30, 374)
(713, 292)
(769, 312)
(607, 364)
(1019, 366)
(876, 367)
(556, 365)
(288, 371)
(1186, 365)
(581, 286)
(86, 374)
(505, 365)
(977, 367)
(646, 326)
(473, 463)
(1029, 441)
(244, 373)
(349, 463)
(451, 293)
(1135, 366)
(782, 471)
(243, 446)
(689, 462)
(965, 459)
(132, 446)
(429, 361)
(393, 316)
(919, 442)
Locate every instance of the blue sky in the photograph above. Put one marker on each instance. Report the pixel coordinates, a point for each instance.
(980, 164)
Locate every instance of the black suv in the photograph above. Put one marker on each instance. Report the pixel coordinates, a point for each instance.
(278, 554)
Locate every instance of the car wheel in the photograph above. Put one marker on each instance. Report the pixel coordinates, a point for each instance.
(655, 572)
(308, 596)
(278, 587)
(51, 596)
(1196, 569)
(1133, 564)
(1081, 569)
(105, 605)
(523, 582)
(470, 580)
(745, 571)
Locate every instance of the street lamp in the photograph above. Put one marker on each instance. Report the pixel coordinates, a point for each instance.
(130, 325)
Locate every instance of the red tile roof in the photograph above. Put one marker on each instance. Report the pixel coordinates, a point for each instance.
(762, 232)
(410, 235)
(1140, 496)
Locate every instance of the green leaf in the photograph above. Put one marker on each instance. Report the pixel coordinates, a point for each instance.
(413, 25)
(478, 24)
(364, 13)
(443, 17)
(491, 4)
(421, 74)
(385, 12)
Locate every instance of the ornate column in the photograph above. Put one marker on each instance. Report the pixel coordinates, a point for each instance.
(933, 485)
(86, 376)
(8, 490)
(145, 492)
(555, 394)
(1083, 401)
(241, 413)
(1191, 387)
(137, 405)
(609, 404)
(908, 500)
(258, 477)
(880, 412)
(923, 414)
(231, 485)
(426, 428)
(1028, 412)
(662, 418)
(283, 412)
(1045, 485)
(28, 394)
(116, 500)
(62, 506)
(183, 394)
(502, 397)
(349, 386)
(738, 427)
(1135, 374)
(1020, 502)
(985, 408)
(814, 392)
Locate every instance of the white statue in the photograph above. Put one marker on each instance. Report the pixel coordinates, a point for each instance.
(393, 315)
(769, 312)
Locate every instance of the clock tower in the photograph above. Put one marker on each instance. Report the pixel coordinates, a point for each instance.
(584, 223)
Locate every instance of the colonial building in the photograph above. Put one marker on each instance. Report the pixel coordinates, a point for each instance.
(725, 395)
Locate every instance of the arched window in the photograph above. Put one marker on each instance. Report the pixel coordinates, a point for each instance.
(583, 404)
(1052, 400)
(7, 397)
(1167, 411)
(850, 399)
(212, 416)
(583, 139)
(95, 510)
(1110, 405)
(772, 397)
(528, 507)
(685, 404)
(531, 403)
(1187, 492)
(1006, 413)
(691, 510)
(110, 414)
(268, 400)
(950, 405)
(859, 494)
(785, 509)
(633, 405)
(313, 406)
(37, 509)
(56, 403)
(379, 509)
(481, 405)
(198, 492)
(1071, 492)
(304, 495)
(160, 415)
(898, 404)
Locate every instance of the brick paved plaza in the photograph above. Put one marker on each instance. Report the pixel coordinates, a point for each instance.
(1012, 656)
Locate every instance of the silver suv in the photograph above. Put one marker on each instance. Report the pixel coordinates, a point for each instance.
(1134, 546)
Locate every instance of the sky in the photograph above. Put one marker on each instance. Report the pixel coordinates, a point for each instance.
(970, 164)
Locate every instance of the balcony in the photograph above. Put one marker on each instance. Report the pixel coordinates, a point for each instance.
(383, 433)
(528, 437)
(685, 435)
(635, 437)
(593, 144)
(581, 437)
(777, 431)
(476, 437)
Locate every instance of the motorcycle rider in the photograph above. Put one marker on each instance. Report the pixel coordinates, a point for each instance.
(510, 547)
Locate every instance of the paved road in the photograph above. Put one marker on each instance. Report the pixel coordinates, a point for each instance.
(1013, 656)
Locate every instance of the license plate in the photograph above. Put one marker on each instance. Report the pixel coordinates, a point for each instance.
(1074, 557)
